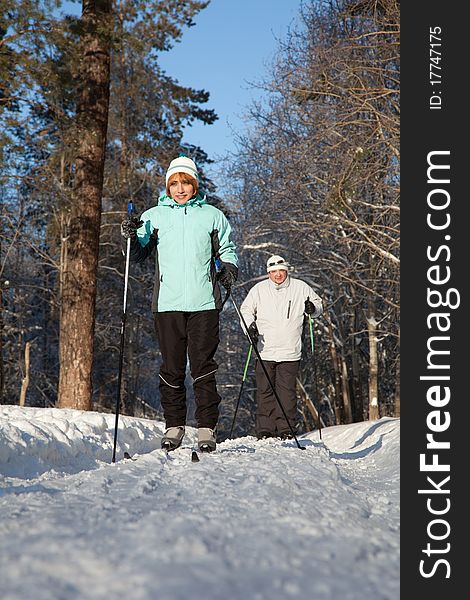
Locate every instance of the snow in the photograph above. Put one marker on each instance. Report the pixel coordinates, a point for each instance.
(255, 520)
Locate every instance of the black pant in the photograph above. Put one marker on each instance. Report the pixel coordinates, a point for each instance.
(195, 334)
(269, 416)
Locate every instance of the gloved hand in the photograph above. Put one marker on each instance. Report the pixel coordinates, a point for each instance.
(254, 333)
(310, 307)
(227, 278)
(129, 227)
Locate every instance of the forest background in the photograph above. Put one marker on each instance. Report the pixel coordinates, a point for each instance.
(90, 120)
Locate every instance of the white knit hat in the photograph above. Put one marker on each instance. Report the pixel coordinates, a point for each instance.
(276, 262)
(182, 164)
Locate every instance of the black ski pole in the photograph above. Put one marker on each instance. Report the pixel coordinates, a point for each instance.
(263, 366)
(241, 389)
(310, 320)
(130, 208)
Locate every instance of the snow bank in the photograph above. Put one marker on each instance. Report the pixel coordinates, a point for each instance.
(36, 440)
(256, 519)
(379, 440)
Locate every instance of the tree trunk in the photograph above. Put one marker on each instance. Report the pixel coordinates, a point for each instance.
(338, 401)
(356, 373)
(348, 418)
(78, 295)
(373, 367)
(25, 382)
(302, 392)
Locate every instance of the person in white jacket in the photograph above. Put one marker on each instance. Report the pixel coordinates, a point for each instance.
(274, 311)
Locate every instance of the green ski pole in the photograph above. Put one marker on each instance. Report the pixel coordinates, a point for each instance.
(241, 388)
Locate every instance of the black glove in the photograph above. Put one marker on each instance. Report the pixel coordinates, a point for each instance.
(129, 227)
(227, 278)
(310, 307)
(254, 333)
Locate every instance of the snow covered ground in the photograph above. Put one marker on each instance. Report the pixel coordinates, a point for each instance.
(256, 520)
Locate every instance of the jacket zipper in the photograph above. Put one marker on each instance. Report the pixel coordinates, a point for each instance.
(184, 254)
(288, 309)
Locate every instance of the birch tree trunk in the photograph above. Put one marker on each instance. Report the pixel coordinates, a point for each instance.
(348, 417)
(25, 382)
(373, 366)
(78, 297)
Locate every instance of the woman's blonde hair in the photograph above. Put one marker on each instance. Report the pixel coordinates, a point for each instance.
(184, 178)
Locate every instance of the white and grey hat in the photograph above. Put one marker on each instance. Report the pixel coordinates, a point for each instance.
(182, 164)
(276, 262)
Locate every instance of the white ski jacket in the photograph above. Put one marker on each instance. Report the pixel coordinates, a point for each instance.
(279, 314)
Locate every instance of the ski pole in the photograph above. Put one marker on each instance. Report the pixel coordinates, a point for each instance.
(240, 393)
(130, 209)
(310, 320)
(263, 366)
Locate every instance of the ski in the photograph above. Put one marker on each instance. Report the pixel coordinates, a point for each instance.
(203, 449)
(194, 453)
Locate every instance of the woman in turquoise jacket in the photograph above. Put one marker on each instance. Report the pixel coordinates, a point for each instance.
(188, 236)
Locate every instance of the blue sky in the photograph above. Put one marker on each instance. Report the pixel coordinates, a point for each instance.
(231, 44)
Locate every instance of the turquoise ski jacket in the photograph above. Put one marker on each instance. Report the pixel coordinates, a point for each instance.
(187, 239)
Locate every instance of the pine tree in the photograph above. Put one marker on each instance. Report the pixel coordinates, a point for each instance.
(78, 297)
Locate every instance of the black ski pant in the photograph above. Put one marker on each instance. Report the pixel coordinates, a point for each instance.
(193, 334)
(269, 417)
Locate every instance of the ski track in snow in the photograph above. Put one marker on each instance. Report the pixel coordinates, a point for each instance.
(255, 520)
